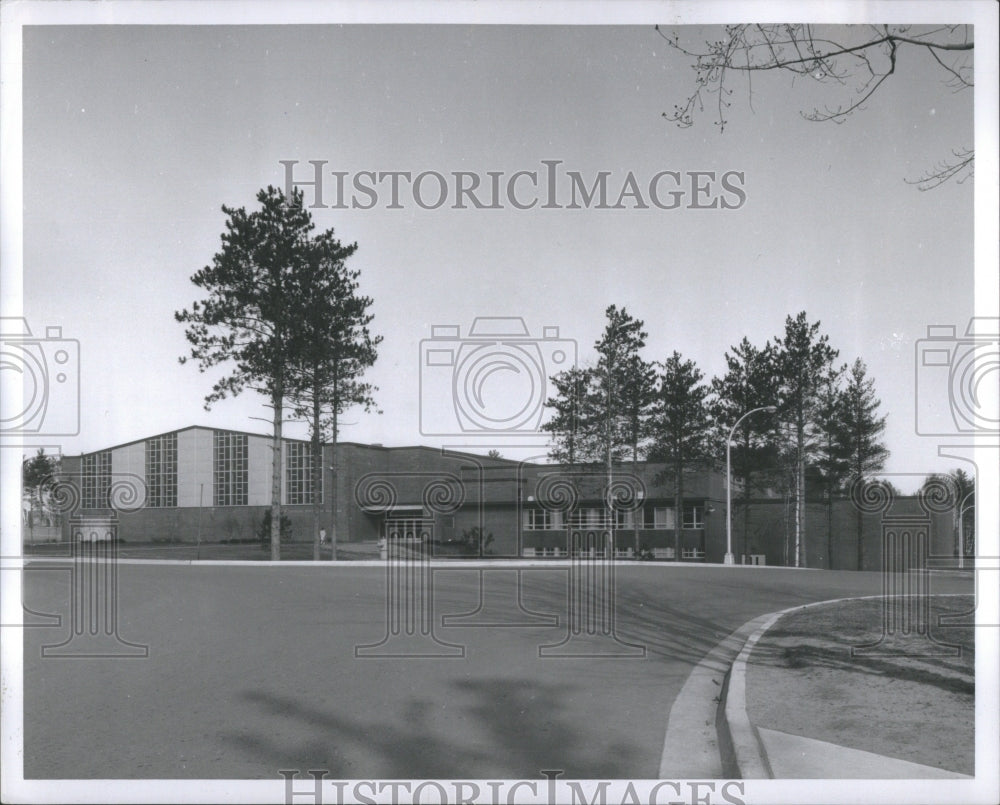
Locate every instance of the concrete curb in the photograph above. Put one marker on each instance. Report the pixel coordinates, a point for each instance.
(748, 753)
(694, 746)
(498, 564)
(749, 758)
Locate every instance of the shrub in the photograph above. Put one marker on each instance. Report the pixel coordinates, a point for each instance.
(264, 529)
(477, 542)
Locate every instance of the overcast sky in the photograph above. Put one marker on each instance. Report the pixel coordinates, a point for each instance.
(135, 136)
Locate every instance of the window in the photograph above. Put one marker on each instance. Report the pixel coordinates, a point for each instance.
(694, 517)
(692, 553)
(589, 518)
(298, 473)
(161, 471)
(626, 519)
(538, 520)
(230, 468)
(663, 517)
(415, 529)
(96, 480)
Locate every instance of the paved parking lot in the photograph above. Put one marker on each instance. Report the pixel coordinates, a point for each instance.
(254, 669)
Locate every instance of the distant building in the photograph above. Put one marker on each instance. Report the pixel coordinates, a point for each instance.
(213, 485)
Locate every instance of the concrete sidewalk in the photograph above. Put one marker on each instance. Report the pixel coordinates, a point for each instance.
(801, 704)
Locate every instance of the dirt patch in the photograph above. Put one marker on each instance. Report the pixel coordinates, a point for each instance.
(909, 696)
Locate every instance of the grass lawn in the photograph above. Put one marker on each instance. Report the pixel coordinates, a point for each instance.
(911, 697)
(243, 551)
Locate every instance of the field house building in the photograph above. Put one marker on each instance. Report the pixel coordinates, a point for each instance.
(211, 485)
(206, 484)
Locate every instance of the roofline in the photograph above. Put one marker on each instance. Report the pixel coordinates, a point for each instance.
(369, 446)
(181, 430)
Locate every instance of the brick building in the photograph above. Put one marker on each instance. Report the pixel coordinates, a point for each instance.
(206, 484)
(210, 485)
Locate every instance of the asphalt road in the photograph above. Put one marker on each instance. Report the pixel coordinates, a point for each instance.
(253, 669)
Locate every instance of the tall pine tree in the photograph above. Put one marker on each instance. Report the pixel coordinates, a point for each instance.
(682, 424)
(573, 440)
(831, 465)
(332, 350)
(804, 360)
(748, 384)
(859, 435)
(618, 367)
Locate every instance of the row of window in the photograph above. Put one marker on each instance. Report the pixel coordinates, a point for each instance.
(95, 484)
(409, 528)
(662, 518)
(161, 471)
(230, 464)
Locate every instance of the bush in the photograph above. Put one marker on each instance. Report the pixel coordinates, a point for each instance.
(264, 529)
(477, 542)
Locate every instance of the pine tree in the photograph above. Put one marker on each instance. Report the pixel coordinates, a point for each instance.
(37, 476)
(749, 384)
(616, 403)
(803, 360)
(600, 412)
(831, 464)
(572, 424)
(257, 292)
(860, 432)
(682, 426)
(331, 352)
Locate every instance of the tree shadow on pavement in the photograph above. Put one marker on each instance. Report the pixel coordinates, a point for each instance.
(502, 728)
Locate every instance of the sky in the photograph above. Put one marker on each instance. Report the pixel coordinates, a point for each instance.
(136, 135)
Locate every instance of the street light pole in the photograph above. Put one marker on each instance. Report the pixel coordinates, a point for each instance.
(730, 559)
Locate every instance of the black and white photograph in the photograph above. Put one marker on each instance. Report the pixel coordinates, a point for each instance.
(500, 402)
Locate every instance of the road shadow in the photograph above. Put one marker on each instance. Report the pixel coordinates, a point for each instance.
(503, 728)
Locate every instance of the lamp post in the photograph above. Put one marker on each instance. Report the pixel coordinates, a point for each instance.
(962, 509)
(730, 559)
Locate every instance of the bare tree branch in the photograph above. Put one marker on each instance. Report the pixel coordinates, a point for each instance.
(858, 58)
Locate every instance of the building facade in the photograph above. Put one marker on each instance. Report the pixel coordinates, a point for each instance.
(202, 484)
(212, 485)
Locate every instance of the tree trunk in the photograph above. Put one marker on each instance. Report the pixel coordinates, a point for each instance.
(800, 490)
(859, 522)
(637, 510)
(276, 402)
(829, 527)
(333, 494)
(334, 433)
(316, 472)
(678, 510)
(609, 500)
(800, 483)
(610, 547)
(785, 519)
